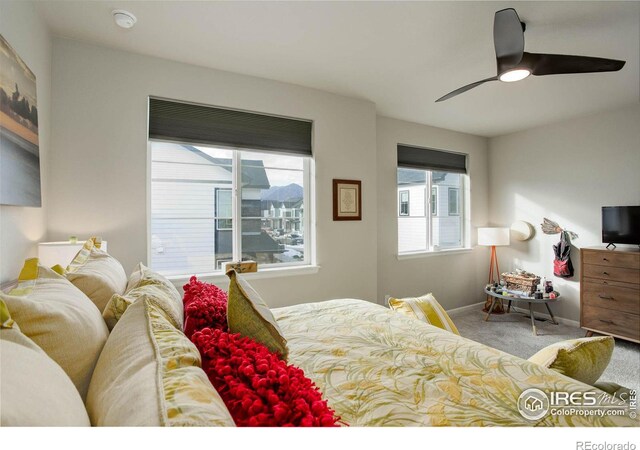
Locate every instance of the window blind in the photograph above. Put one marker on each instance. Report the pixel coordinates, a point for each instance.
(431, 159)
(198, 124)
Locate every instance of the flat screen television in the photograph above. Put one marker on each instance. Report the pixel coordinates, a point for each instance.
(621, 225)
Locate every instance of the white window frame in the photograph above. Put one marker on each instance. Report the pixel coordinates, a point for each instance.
(307, 266)
(464, 213)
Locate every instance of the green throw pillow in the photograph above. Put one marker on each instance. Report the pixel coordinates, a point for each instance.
(581, 359)
(250, 316)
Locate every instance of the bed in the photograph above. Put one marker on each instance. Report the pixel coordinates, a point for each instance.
(374, 366)
(379, 368)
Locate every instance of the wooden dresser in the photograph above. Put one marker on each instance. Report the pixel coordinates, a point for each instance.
(610, 292)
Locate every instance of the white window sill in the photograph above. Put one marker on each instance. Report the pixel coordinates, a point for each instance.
(275, 272)
(415, 255)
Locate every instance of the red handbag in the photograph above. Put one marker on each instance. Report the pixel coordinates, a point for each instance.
(562, 266)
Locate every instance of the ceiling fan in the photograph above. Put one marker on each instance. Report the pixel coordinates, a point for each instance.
(515, 64)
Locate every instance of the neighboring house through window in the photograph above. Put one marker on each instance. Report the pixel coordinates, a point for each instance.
(454, 201)
(444, 226)
(434, 200)
(223, 209)
(404, 203)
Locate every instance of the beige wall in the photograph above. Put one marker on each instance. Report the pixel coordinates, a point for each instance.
(99, 174)
(565, 172)
(97, 182)
(21, 227)
(455, 279)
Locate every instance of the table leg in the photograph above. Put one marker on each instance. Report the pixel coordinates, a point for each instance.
(553, 319)
(493, 302)
(509, 307)
(589, 333)
(533, 320)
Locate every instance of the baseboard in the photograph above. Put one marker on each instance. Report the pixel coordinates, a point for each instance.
(562, 320)
(464, 308)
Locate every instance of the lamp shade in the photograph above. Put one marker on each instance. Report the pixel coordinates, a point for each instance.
(52, 253)
(493, 236)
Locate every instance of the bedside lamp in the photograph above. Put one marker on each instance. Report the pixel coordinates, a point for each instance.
(62, 252)
(493, 237)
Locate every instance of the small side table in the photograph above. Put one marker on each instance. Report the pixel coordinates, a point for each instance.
(529, 300)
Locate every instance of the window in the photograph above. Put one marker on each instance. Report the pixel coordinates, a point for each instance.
(404, 203)
(436, 181)
(197, 224)
(453, 201)
(434, 200)
(223, 209)
(227, 185)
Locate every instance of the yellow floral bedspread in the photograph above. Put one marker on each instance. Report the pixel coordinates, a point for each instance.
(379, 368)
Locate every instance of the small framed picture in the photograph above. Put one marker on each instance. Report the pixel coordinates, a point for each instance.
(347, 200)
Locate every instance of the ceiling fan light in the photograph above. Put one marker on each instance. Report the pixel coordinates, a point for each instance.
(515, 75)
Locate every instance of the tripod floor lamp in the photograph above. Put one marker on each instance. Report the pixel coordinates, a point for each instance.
(493, 237)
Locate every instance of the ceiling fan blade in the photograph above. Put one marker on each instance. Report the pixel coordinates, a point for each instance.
(465, 89)
(543, 64)
(508, 38)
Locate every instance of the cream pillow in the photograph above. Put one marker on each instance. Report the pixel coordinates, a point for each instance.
(149, 374)
(60, 319)
(96, 273)
(34, 390)
(144, 281)
(426, 309)
(582, 359)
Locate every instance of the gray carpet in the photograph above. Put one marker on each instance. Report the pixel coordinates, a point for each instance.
(512, 334)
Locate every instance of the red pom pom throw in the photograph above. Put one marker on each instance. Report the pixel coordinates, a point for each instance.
(258, 387)
(205, 305)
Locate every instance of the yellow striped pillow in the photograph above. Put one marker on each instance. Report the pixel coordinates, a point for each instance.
(425, 308)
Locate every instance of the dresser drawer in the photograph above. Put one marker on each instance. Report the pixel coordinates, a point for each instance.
(611, 273)
(611, 259)
(611, 322)
(610, 296)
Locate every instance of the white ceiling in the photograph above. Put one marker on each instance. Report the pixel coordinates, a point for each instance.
(400, 55)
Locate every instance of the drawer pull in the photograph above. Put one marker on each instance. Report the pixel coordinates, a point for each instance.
(605, 297)
(605, 259)
(605, 273)
(610, 322)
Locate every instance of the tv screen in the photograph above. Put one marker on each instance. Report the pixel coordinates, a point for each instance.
(621, 224)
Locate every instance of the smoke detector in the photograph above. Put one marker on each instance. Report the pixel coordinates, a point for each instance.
(124, 19)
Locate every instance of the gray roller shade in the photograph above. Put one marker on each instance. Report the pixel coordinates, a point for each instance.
(430, 159)
(197, 124)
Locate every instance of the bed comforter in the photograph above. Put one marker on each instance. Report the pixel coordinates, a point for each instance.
(379, 368)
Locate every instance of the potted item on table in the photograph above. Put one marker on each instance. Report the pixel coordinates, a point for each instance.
(548, 286)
